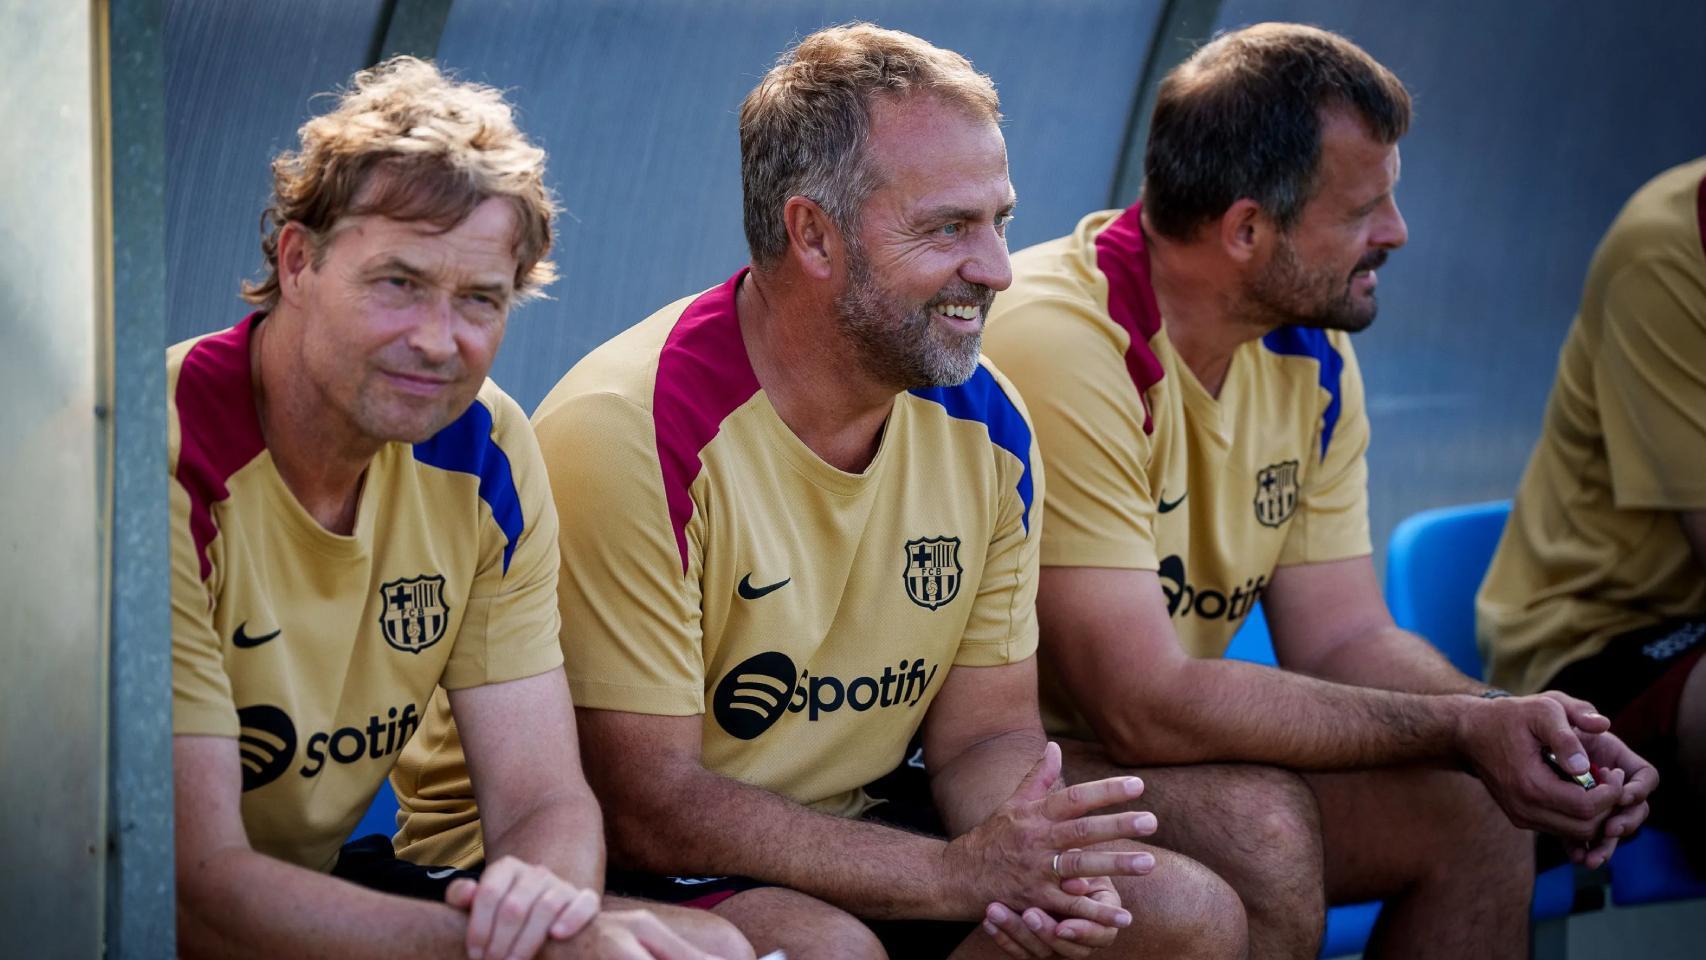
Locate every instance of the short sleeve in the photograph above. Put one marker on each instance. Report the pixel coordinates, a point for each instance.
(631, 635)
(509, 630)
(1331, 522)
(201, 689)
(1089, 420)
(1002, 628)
(1649, 382)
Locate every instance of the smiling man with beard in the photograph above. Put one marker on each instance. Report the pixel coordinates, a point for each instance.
(800, 518)
(1200, 412)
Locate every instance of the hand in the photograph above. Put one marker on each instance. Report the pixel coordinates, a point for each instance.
(514, 905)
(1504, 740)
(1010, 857)
(1617, 765)
(1035, 934)
(627, 935)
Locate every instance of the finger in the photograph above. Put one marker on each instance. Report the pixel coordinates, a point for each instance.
(541, 914)
(576, 914)
(1014, 926)
(1558, 737)
(1081, 798)
(1093, 936)
(516, 908)
(494, 886)
(1581, 713)
(1048, 932)
(1005, 943)
(1105, 863)
(664, 943)
(1077, 886)
(1626, 820)
(1065, 906)
(1089, 831)
(1042, 775)
(460, 893)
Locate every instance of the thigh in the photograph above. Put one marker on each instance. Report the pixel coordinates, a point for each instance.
(1227, 816)
(1384, 830)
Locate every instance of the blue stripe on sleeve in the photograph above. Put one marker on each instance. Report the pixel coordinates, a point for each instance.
(1309, 342)
(466, 446)
(982, 399)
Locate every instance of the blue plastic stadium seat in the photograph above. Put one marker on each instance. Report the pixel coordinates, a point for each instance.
(381, 815)
(1650, 868)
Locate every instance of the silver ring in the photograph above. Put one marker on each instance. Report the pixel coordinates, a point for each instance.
(1055, 864)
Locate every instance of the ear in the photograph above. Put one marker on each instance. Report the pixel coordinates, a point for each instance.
(814, 241)
(295, 259)
(1243, 230)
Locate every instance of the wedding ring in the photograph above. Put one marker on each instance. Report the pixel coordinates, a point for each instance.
(1055, 864)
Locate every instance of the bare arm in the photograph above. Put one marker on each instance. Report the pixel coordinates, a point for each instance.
(1109, 633)
(524, 761)
(234, 901)
(982, 735)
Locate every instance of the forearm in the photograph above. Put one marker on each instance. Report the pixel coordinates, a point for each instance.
(968, 789)
(239, 903)
(1392, 659)
(1224, 711)
(700, 823)
(563, 833)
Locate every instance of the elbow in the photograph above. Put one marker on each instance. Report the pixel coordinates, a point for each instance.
(638, 835)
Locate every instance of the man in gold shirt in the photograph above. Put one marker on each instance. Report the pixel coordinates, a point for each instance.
(1599, 585)
(800, 524)
(1201, 417)
(360, 517)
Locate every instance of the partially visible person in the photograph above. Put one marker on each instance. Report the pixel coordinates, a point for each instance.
(1200, 412)
(358, 516)
(800, 526)
(1598, 588)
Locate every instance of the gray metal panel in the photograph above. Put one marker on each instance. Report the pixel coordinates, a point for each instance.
(239, 75)
(1534, 123)
(637, 102)
(52, 642)
(140, 907)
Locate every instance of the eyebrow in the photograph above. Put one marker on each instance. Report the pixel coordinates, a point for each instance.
(396, 264)
(949, 212)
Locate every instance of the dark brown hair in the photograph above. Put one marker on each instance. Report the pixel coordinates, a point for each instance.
(1242, 118)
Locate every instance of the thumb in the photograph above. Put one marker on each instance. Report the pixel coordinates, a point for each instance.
(1555, 732)
(1042, 776)
(1582, 715)
(460, 893)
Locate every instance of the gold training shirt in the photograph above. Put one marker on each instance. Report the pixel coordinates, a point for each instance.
(1147, 471)
(1594, 548)
(317, 652)
(714, 565)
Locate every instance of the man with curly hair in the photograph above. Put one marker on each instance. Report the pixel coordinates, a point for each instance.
(359, 516)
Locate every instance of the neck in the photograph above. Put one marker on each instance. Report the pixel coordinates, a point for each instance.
(322, 465)
(801, 361)
(1197, 303)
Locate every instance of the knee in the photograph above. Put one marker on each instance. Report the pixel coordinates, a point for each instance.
(1184, 910)
(834, 935)
(1275, 827)
(801, 926)
(719, 938)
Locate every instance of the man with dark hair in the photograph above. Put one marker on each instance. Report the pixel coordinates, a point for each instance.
(1201, 417)
(360, 517)
(800, 522)
(1612, 605)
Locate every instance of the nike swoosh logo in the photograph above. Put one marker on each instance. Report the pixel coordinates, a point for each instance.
(1163, 506)
(243, 641)
(749, 592)
(440, 874)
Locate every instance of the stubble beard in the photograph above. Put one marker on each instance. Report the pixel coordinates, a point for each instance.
(906, 348)
(1287, 293)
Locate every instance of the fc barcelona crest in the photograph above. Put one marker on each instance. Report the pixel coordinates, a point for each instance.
(413, 614)
(1276, 493)
(932, 571)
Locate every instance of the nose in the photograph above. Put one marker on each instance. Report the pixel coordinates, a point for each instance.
(433, 334)
(1391, 232)
(988, 264)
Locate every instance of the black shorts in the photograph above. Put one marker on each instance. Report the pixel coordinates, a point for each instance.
(370, 862)
(906, 804)
(1637, 681)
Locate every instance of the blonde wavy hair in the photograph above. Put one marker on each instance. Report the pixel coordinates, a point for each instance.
(803, 128)
(408, 143)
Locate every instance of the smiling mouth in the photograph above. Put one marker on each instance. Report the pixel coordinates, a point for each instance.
(960, 311)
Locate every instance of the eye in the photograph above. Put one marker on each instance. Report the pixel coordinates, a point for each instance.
(1001, 223)
(949, 229)
(398, 282)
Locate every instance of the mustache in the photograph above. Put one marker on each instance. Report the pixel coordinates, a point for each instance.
(1373, 261)
(975, 294)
